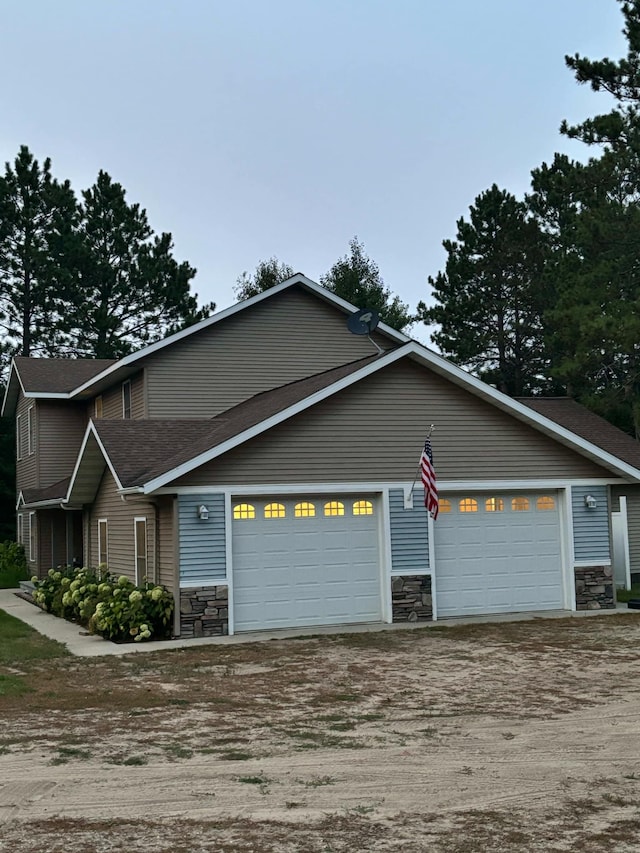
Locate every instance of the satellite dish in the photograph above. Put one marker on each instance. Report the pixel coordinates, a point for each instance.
(363, 322)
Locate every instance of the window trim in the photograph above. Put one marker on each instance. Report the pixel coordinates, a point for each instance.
(32, 537)
(20, 529)
(19, 447)
(137, 520)
(31, 438)
(126, 384)
(97, 404)
(101, 556)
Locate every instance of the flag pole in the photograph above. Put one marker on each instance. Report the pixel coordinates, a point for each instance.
(419, 470)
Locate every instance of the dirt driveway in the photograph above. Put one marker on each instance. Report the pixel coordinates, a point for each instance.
(513, 737)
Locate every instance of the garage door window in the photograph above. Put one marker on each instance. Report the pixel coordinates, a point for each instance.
(304, 510)
(244, 511)
(494, 505)
(545, 503)
(468, 505)
(520, 504)
(274, 511)
(362, 508)
(444, 505)
(334, 508)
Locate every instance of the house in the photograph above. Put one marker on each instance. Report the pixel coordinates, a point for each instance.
(261, 464)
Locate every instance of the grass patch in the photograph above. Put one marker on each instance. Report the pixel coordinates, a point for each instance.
(65, 753)
(10, 577)
(19, 642)
(254, 780)
(235, 755)
(13, 685)
(624, 595)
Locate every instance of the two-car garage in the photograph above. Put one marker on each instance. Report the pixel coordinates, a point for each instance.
(307, 561)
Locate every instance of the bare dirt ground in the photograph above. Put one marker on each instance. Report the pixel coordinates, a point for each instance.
(511, 737)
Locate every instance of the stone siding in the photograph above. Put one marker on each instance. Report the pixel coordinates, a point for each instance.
(411, 598)
(594, 588)
(204, 611)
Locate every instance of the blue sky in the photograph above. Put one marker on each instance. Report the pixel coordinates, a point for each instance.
(253, 128)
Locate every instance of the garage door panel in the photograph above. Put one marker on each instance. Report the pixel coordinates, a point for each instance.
(502, 561)
(291, 571)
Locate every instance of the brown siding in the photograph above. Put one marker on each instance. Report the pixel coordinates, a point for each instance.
(27, 467)
(112, 399)
(632, 494)
(120, 515)
(52, 544)
(61, 428)
(375, 429)
(287, 337)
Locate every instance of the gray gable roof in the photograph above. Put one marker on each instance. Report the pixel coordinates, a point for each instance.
(57, 375)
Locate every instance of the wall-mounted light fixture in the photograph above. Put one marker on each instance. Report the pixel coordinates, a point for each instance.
(203, 512)
(590, 502)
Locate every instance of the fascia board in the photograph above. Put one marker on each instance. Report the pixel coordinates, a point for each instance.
(20, 498)
(298, 278)
(90, 431)
(524, 413)
(274, 420)
(13, 372)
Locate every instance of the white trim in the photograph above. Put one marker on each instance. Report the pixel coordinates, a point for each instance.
(567, 554)
(136, 520)
(126, 384)
(228, 537)
(587, 564)
(104, 521)
(386, 559)
(20, 529)
(46, 395)
(95, 407)
(625, 523)
(31, 430)
(20, 500)
(91, 430)
(19, 447)
(32, 539)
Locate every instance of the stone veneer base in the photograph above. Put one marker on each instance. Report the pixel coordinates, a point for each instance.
(411, 598)
(204, 611)
(594, 588)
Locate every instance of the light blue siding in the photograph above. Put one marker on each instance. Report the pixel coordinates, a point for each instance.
(409, 534)
(202, 543)
(590, 526)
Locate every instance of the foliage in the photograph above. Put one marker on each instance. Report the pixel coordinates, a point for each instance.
(268, 274)
(490, 298)
(356, 279)
(115, 608)
(13, 565)
(7, 476)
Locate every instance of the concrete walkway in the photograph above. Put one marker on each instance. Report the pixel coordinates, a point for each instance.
(82, 644)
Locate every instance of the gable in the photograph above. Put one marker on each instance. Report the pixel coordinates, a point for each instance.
(289, 336)
(374, 431)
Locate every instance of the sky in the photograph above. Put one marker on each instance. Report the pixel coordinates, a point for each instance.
(258, 128)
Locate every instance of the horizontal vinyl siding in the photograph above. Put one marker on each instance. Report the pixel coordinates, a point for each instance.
(52, 545)
(61, 428)
(27, 467)
(632, 493)
(120, 514)
(285, 338)
(202, 543)
(409, 534)
(375, 430)
(590, 526)
(112, 400)
(166, 552)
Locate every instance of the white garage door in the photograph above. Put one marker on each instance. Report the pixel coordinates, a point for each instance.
(305, 561)
(498, 554)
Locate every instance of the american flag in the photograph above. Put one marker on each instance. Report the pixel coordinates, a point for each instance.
(429, 480)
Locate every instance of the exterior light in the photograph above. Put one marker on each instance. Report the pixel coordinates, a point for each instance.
(590, 502)
(203, 512)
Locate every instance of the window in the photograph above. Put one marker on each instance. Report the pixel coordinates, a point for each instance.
(520, 504)
(31, 430)
(19, 437)
(334, 508)
(20, 532)
(32, 537)
(304, 510)
(140, 541)
(274, 511)
(468, 505)
(103, 542)
(362, 508)
(242, 511)
(126, 399)
(97, 411)
(494, 505)
(444, 505)
(545, 503)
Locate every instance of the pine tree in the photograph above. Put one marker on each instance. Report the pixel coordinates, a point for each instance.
(356, 278)
(267, 275)
(490, 298)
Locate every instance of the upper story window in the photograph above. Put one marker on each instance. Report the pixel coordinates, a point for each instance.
(126, 399)
(31, 429)
(97, 412)
(19, 437)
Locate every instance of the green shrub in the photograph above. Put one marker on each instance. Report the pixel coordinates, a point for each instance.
(116, 609)
(13, 565)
